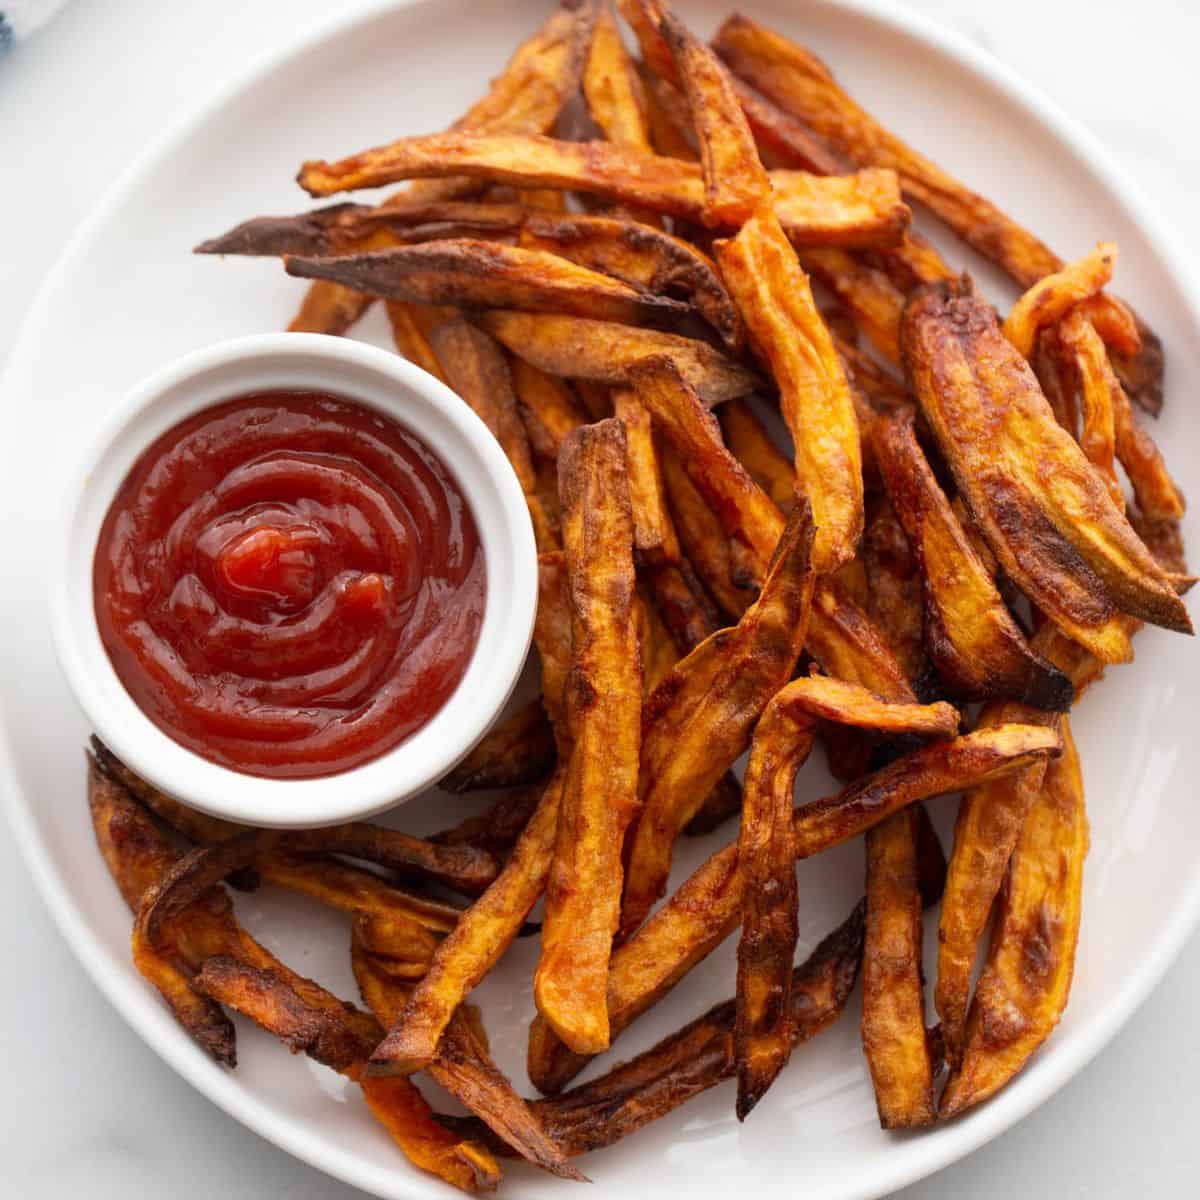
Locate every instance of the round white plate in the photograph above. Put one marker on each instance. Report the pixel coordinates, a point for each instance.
(127, 296)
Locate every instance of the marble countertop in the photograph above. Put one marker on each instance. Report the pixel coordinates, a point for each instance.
(86, 1108)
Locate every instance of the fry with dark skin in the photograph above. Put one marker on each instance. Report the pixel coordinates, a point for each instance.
(517, 752)
(654, 536)
(1026, 979)
(1067, 546)
(410, 336)
(860, 210)
(766, 859)
(578, 348)
(798, 82)
(775, 298)
(974, 643)
(894, 586)
(707, 906)
(549, 408)
(700, 718)
(868, 295)
(603, 715)
(893, 1022)
(467, 271)
(497, 828)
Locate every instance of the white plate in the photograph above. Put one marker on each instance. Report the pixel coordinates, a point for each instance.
(127, 296)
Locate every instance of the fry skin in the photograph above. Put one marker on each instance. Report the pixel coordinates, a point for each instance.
(762, 273)
(1064, 543)
(872, 300)
(517, 752)
(578, 348)
(549, 408)
(654, 536)
(1026, 979)
(974, 643)
(893, 1021)
(604, 712)
(707, 906)
(894, 587)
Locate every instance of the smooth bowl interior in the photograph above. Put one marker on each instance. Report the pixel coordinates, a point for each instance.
(428, 409)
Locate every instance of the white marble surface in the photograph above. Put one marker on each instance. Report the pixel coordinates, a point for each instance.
(85, 1108)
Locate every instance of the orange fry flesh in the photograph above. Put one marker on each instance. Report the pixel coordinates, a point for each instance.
(751, 444)
(549, 408)
(654, 535)
(613, 90)
(604, 709)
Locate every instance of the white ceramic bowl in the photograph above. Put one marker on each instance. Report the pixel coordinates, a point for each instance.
(425, 406)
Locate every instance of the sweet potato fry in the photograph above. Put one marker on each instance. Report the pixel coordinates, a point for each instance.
(799, 83)
(880, 390)
(699, 719)
(517, 752)
(654, 536)
(613, 89)
(894, 587)
(549, 408)
(1158, 495)
(1037, 500)
(974, 643)
(1026, 979)
(467, 271)
(552, 637)
(863, 209)
(706, 907)
(411, 338)
(497, 828)
(751, 444)
(1053, 297)
(872, 300)
(482, 935)
(577, 348)
(893, 1022)
(761, 271)
(681, 600)
(603, 714)
(329, 308)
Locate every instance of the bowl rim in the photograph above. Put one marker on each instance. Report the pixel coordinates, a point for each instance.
(914, 1159)
(436, 416)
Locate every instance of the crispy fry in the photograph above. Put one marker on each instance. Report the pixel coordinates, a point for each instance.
(490, 275)
(893, 1020)
(881, 390)
(548, 406)
(552, 636)
(799, 83)
(976, 646)
(654, 535)
(1060, 539)
(681, 600)
(700, 718)
(411, 338)
(1027, 976)
(604, 710)
(749, 441)
(1053, 297)
(867, 294)
(518, 751)
(613, 89)
(577, 348)
(735, 181)
(863, 209)
(329, 308)
(894, 587)
(706, 907)
(497, 828)
(761, 271)
(782, 140)
(1158, 496)
(482, 935)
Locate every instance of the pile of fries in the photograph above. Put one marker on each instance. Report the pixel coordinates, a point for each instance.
(606, 257)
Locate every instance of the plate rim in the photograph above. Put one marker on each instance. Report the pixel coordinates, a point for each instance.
(914, 1159)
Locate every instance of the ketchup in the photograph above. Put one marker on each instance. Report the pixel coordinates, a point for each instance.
(289, 584)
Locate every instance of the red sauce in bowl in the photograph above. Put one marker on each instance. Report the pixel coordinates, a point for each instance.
(289, 584)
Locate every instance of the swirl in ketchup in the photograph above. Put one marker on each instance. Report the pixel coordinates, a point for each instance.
(289, 584)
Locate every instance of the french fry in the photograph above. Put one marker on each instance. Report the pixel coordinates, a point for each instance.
(866, 293)
(894, 1037)
(549, 408)
(761, 271)
(613, 89)
(578, 348)
(1026, 979)
(976, 646)
(604, 710)
(1053, 297)
(751, 444)
(475, 945)
(1065, 545)
(682, 601)
(866, 377)
(799, 83)
(863, 209)
(497, 828)
(329, 308)
(552, 637)
(894, 587)
(699, 719)
(654, 536)
(517, 752)
(411, 336)
(467, 271)
(706, 908)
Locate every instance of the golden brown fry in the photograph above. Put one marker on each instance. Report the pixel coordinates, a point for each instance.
(1026, 979)
(654, 535)
(894, 587)
(1045, 513)
(1051, 298)
(799, 83)
(548, 406)
(735, 181)
(411, 337)
(893, 1022)
(476, 273)
(867, 294)
(577, 348)
(1157, 494)
(682, 602)
(782, 140)
(497, 828)
(700, 718)
(517, 752)
(761, 271)
(863, 209)
(552, 637)
(476, 944)
(881, 390)
(706, 907)
(329, 308)
(974, 643)
(613, 90)
(603, 714)
(749, 441)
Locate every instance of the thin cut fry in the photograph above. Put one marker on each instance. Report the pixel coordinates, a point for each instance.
(1027, 977)
(613, 89)
(654, 535)
(750, 443)
(548, 406)
(761, 271)
(517, 752)
(497, 828)
(604, 710)
(894, 587)
(867, 294)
